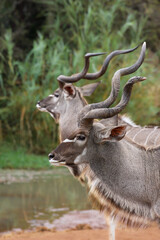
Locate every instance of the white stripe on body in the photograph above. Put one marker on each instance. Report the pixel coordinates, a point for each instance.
(138, 133)
(150, 135)
(129, 131)
(156, 140)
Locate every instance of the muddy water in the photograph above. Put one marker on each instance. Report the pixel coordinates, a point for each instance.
(27, 197)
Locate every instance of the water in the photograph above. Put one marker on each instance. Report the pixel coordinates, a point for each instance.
(27, 197)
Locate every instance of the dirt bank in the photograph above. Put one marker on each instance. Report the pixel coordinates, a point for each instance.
(87, 234)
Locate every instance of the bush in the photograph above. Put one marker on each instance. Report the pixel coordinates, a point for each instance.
(67, 30)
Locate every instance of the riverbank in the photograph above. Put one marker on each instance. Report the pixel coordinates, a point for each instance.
(86, 234)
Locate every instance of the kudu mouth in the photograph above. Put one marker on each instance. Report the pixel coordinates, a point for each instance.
(40, 108)
(55, 160)
(48, 109)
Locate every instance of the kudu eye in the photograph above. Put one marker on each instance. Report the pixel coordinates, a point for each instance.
(56, 95)
(81, 137)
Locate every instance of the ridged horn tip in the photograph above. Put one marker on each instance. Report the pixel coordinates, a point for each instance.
(144, 45)
(143, 78)
(94, 54)
(59, 77)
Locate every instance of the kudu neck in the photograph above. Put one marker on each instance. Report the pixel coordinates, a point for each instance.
(68, 122)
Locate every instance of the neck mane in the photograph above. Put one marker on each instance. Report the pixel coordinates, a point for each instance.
(115, 206)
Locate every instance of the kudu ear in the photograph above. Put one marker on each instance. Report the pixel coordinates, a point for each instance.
(88, 89)
(112, 133)
(69, 90)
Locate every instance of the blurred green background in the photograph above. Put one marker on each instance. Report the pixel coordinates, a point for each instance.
(41, 39)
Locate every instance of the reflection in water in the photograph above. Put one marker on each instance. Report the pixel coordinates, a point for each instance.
(46, 197)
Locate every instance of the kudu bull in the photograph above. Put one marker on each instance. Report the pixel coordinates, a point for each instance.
(67, 101)
(67, 96)
(123, 176)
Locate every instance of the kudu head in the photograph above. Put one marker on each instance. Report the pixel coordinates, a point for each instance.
(67, 101)
(64, 97)
(90, 135)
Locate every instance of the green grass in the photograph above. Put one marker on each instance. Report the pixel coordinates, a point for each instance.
(18, 158)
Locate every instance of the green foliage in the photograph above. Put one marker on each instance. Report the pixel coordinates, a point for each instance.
(52, 40)
(20, 159)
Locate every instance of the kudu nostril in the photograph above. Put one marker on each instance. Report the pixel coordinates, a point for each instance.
(51, 155)
(41, 104)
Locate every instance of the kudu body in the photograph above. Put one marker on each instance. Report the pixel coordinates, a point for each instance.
(123, 176)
